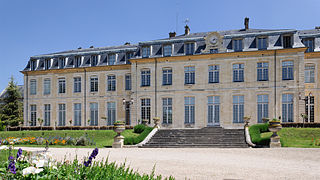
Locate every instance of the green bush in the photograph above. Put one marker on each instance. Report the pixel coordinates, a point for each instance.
(255, 133)
(139, 128)
(138, 139)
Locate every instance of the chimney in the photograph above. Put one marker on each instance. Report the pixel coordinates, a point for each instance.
(79, 47)
(186, 30)
(246, 23)
(91, 46)
(127, 43)
(172, 34)
(317, 27)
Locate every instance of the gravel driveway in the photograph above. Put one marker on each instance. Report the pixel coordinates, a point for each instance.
(210, 163)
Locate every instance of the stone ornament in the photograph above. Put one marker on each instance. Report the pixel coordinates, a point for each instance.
(214, 41)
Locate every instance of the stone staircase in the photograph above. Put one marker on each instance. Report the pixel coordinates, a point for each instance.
(209, 137)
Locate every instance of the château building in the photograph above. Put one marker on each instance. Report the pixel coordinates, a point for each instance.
(191, 80)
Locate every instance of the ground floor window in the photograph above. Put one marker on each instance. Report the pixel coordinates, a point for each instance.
(238, 109)
(47, 114)
(287, 107)
(33, 115)
(77, 114)
(146, 109)
(309, 109)
(213, 110)
(262, 107)
(62, 114)
(93, 114)
(167, 110)
(111, 112)
(189, 114)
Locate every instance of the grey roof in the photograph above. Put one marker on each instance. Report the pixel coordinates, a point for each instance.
(309, 33)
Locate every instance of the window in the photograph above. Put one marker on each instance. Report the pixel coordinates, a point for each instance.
(189, 75)
(145, 77)
(94, 84)
(262, 107)
(77, 114)
(93, 114)
(238, 109)
(309, 43)
(111, 83)
(33, 87)
(238, 75)
(77, 84)
(166, 76)
(61, 63)
(309, 108)
(94, 60)
(167, 110)
(62, 85)
(47, 63)
(47, 114)
(237, 45)
(213, 110)
(46, 86)
(111, 108)
(129, 55)
(189, 48)
(214, 74)
(262, 71)
(262, 43)
(167, 50)
(189, 114)
(33, 115)
(287, 107)
(128, 82)
(62, 115)
(309, 73)
(287, 41)
(77, 61)
(146, 51)
(33, 65)
(146, 109)
(287, 70)
(111, 59)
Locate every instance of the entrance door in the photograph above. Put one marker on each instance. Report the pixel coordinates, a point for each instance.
(128, 121)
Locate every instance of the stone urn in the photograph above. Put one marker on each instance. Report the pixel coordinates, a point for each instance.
(145, 121)
(246, 120)
(156, 121)
(275, 127)
(119, 127)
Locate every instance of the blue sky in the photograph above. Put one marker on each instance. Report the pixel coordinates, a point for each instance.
(33, 27)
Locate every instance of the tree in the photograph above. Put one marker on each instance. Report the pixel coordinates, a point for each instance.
(11, 111)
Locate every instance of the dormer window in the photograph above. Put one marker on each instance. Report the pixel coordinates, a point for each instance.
(287, 41)
(146, 51)
(61, 62)
(94, 60)
(111, 59)
(129, 55)
(33, 65)
(167, 50)
(189, 48)
(309, 43)
(47, 63)
(77, 62)
(262, 43)
(237, 45)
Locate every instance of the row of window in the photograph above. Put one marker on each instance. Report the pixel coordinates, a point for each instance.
(213, 111)
(167, 49)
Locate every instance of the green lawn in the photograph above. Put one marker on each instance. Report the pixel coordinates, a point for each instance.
(101, 137)
(298, 137)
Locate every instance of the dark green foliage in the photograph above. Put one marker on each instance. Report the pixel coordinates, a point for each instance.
(255, 133)
(11, 111)
(139, 128)
(138, 139)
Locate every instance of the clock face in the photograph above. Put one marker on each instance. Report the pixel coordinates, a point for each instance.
(213, 40)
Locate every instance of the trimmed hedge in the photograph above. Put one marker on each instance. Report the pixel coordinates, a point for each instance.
(139, 128)
(301, 125)
(38, 128)
(255, 133)
(138, 139)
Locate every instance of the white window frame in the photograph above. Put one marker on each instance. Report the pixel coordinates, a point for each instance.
(111, 113)
(94, 84)
(146, 109)
(111, 82)
(61, 85)
(33, 87)
(47, 114)
(47, 86)
(189, 110)
(167, 110)
(61, 114)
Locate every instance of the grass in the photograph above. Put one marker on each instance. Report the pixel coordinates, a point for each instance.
(4, 154)
(102, 138)
(298, 137)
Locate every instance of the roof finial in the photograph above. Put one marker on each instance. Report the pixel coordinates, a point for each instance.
(186, 27)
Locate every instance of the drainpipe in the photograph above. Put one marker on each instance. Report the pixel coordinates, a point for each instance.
(27, 98)
(275, 84)
(155, 87)
(85, 96)
(136, 92)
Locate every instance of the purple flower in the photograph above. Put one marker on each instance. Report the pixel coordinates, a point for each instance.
(19, 153)
(12, 166)
(92, 156)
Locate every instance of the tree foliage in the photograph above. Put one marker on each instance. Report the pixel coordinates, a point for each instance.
(11, 111)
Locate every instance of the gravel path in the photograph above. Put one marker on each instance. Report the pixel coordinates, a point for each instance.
(210, 163)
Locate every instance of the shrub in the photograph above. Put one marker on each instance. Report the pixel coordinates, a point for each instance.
(138, 139)
(139, 128)
(255, 133)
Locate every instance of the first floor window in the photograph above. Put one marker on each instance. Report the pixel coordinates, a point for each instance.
(62, 85)
(77, 114)
(262, 71)
(33, 115)
(145, 77)
(111, 83)
(146, 109)
(189, 75)
(46, 86)
(111, 113)
(33, 87)
(93, 114)
(214, 74)
(62, 115)
(238, 75)
(167, 76)
(47, 114)
(94, 84)
(309, 108)
(238, 109)
(189, 114)
(309, 73)
(77, 84)
(167, 110)
(287, 70)
(287, 107)
(263, 104)
(213, 110)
